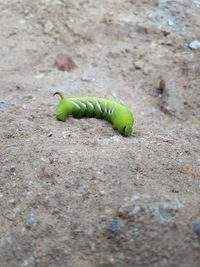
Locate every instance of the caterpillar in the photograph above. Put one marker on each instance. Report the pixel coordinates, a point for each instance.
(120, 117)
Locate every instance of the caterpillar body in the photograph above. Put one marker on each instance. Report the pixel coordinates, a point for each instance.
(120, 117)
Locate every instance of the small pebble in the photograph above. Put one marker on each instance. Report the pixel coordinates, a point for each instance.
(12, 201)
(139, 64)
(197, 228)
(39, 76)
(49, 134)
(22, 21)
(170, 22)
(115, 226)
(102, 192)
(64, 62)
(30, 220)
(48, 27)
(66, 134)
(12, 168)
(85, 79)
(168, 42)
(92, 247)
(194, 44)
(24, 106)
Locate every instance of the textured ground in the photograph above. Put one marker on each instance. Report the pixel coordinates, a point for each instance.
(78, 193)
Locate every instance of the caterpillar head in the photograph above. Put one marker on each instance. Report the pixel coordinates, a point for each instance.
(123, 121)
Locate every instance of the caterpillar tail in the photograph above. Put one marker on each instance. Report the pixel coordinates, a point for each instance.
(61, 113)
(60, 94)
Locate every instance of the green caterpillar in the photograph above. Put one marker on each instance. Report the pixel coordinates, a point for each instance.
(121, 118)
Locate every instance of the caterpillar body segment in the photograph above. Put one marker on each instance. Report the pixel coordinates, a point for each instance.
(121, 118)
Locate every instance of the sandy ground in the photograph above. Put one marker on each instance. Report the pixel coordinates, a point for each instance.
(78, 193)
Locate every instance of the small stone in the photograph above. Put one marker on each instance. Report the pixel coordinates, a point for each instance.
(66, 134)
(39, 76)
(136, 209)
(64, 62)
(12, 168)
(49, 134)
(30, 220)
(170, 22)
(161, 88)
(111, 260)
(22, 21)
(113, 55)
(89, 231)
(115, 226)
(85, 79)
(24, 106)
(92, 247)
(194, 44)
(48, 26)
(168, 42)
(102, 192)
(197, 228)
(12, 201)
(139, 65)
(165, 32)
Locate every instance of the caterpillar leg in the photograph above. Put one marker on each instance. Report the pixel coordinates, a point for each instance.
(127, 130)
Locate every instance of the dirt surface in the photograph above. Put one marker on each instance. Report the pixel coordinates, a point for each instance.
(78, 193)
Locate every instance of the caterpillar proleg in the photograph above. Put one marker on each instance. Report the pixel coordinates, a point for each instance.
(120, 117)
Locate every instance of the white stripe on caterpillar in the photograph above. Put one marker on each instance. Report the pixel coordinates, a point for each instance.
(90, 103)
(99, 106)
(82, 103)
(75, 103)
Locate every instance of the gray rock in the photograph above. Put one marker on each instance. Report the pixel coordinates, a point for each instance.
(194, 44)
(162, 209)
(12, 201)
(170, 22)
(92, 247)
(12, 168)
(30, 220)
(115, 226)
(66, 134)
(49, 134)
(48, 27)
